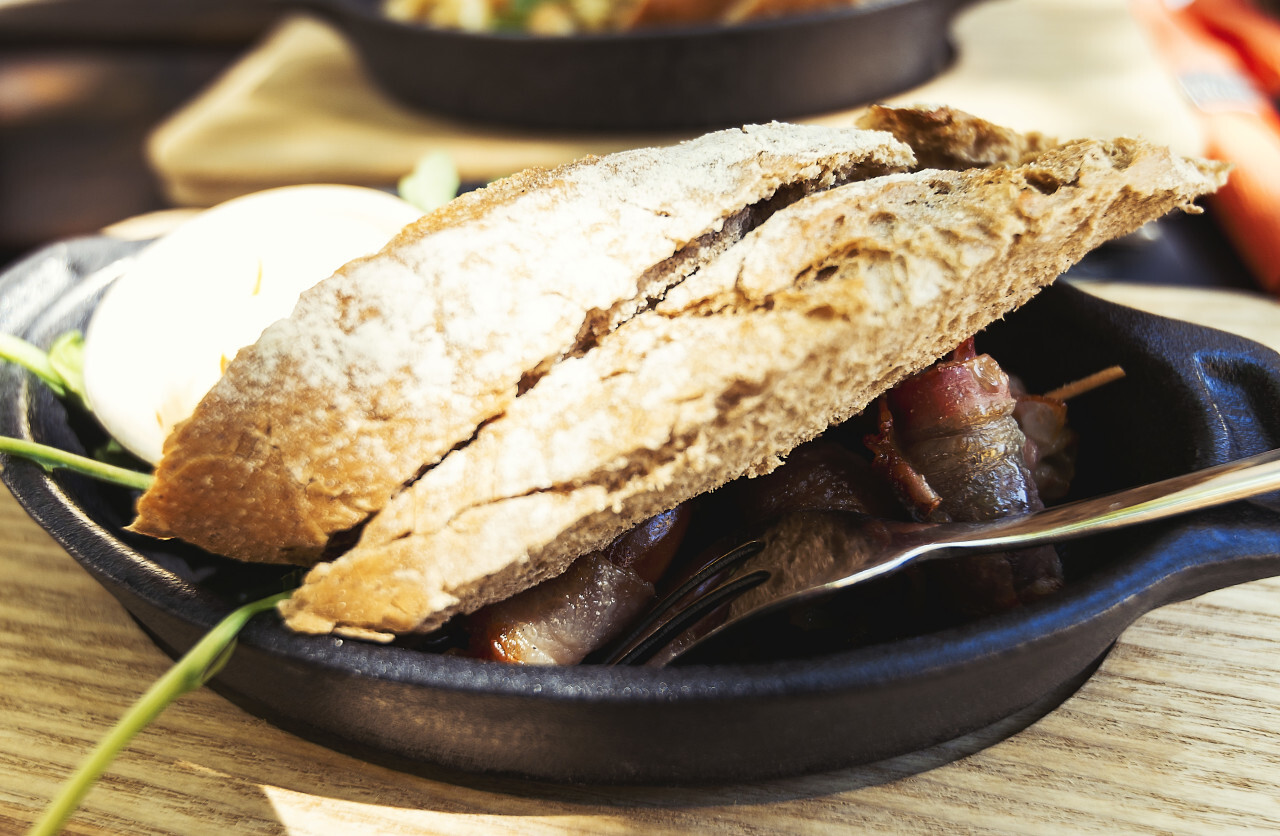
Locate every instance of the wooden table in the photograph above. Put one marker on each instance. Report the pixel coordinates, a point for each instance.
(1177, 732)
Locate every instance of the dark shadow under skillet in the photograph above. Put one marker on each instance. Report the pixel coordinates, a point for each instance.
(1193, 397)
(654, 79)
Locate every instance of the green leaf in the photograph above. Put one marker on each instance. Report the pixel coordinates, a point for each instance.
(19, 351)
(515, 15)
(199, 665)
(66, 356)
(111, 451)
(432, 183)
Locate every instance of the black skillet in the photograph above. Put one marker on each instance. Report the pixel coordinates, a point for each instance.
(658, 79)
(1193, 397)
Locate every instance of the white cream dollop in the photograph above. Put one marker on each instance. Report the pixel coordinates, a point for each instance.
(164, 331)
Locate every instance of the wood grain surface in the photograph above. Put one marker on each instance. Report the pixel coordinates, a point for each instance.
(1177, 732)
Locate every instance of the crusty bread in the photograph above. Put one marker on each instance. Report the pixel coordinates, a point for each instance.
(943, 137)
(399, 357)
(811, 316)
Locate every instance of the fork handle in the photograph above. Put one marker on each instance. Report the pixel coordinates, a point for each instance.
(1179, 495)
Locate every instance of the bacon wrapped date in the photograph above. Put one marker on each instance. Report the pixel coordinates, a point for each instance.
(562, 620)
(1051, 444)
(820, 475)
(950, 444)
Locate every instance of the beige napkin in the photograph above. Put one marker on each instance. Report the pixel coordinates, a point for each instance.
(299, 108)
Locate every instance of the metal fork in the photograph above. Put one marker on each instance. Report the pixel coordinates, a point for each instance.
(881, 546)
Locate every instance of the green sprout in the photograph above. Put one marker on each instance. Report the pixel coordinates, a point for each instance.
(200, 664)
(52, 458)
(61, 368)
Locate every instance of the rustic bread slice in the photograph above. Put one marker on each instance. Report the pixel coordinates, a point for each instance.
(943, 137)
(399, 357)
(800, 325)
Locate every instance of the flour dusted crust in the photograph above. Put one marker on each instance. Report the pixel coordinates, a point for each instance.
(805, 321)
(399, 357)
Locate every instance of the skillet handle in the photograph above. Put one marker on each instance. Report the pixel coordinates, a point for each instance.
(1237, 386)
(1214, 550)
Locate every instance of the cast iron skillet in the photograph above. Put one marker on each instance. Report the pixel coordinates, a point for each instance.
(1194, 397)
(690, 77)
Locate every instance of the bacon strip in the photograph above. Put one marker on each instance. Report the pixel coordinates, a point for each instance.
(564, 619)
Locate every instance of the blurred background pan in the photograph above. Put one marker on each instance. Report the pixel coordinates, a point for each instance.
(657, 79)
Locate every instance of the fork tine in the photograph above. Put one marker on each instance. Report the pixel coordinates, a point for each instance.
(662, 637)
(662, 611)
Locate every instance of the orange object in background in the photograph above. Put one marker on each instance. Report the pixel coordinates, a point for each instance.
(1250, 202)
(1253, 35)
(1241, 125)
